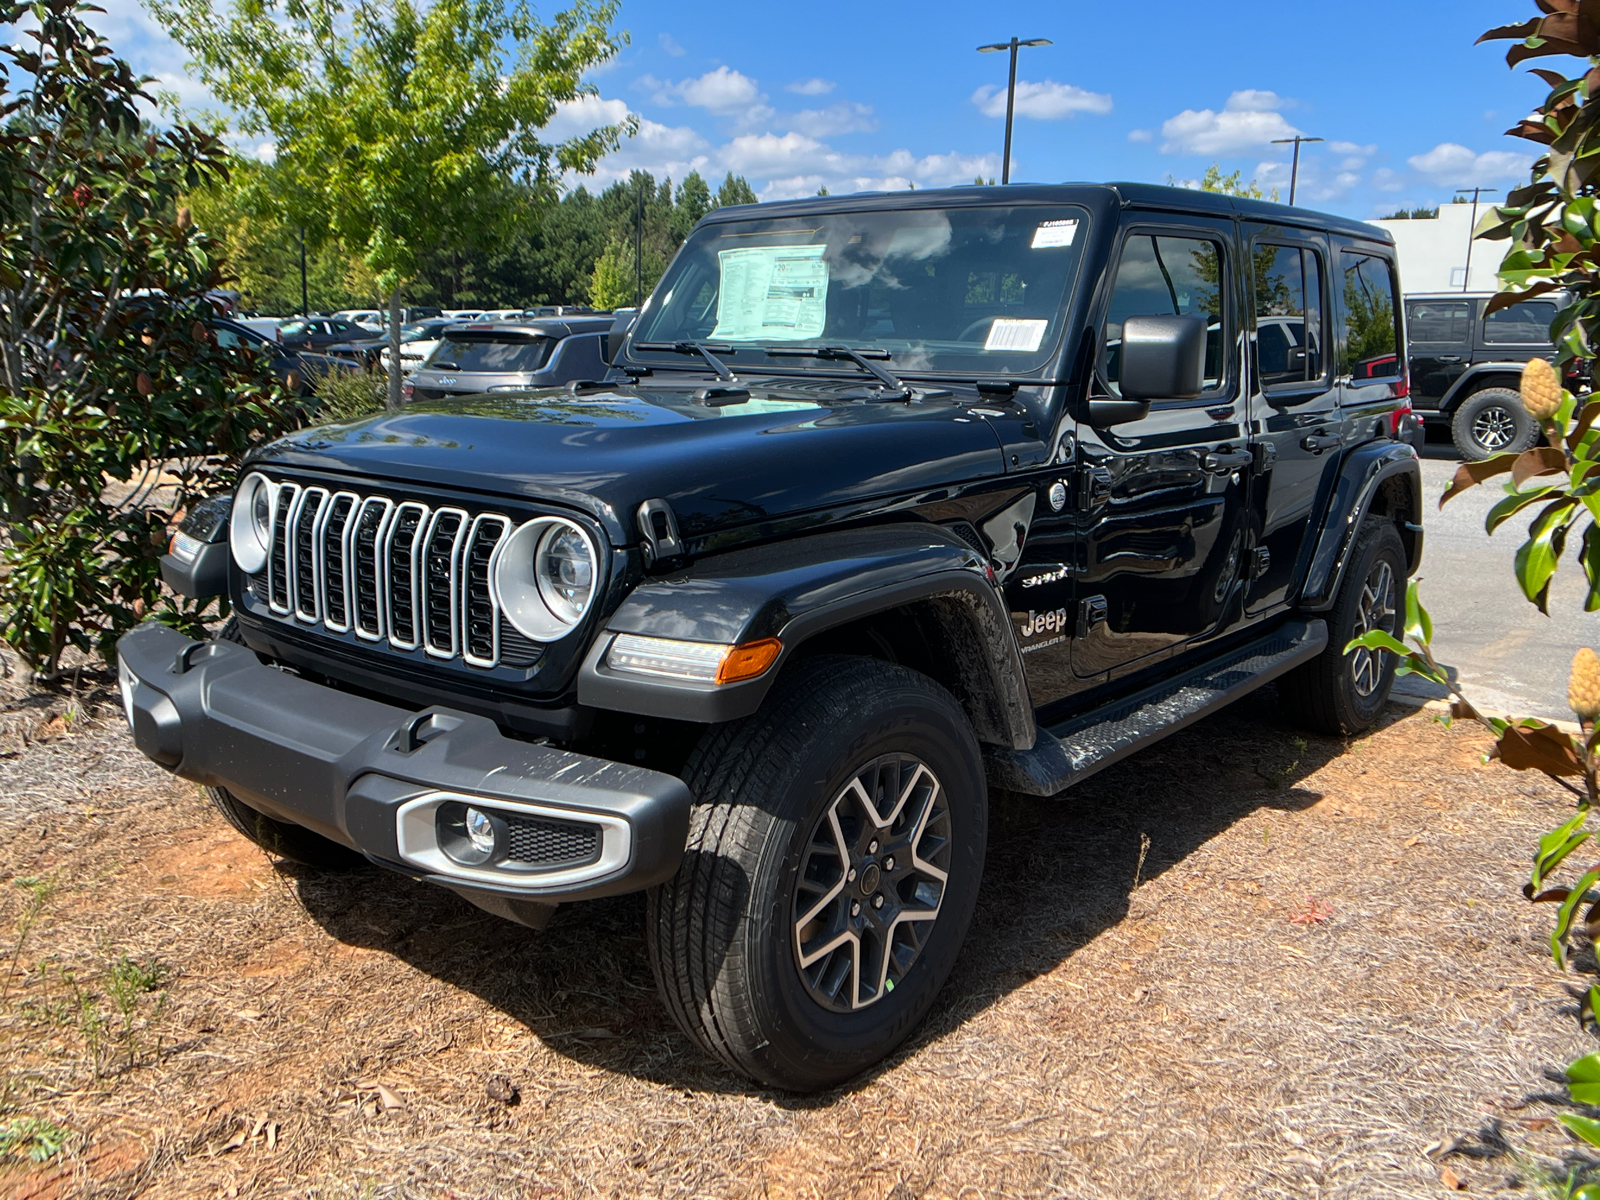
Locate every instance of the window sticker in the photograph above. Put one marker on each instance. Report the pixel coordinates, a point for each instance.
(1054, 233)
(1010, 333)
(771, 293)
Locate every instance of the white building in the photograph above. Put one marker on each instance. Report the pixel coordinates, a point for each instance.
(1433, 252)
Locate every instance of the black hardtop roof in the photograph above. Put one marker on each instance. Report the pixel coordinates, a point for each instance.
(1093, 195)
(555, 327)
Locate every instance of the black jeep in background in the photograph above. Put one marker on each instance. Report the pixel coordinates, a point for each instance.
(891, 499)
(1465, 367)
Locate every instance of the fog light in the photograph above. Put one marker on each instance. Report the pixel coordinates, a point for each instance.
(471, 836)
(480, 830)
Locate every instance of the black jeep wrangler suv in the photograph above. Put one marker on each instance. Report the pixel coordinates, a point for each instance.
(890, 500)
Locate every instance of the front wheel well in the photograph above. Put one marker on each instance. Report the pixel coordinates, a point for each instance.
(1397, 501)
(941, 637)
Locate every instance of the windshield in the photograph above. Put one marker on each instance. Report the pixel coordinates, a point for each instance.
(948, 291)
(481, 354)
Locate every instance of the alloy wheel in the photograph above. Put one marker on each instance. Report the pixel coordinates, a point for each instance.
(870, 883)
(1494, 428)
(1375, 610)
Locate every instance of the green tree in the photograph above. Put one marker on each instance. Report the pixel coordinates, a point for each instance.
(1230, 185)
(735, 189)
(401, 126)
(114, 395)
(612, 284)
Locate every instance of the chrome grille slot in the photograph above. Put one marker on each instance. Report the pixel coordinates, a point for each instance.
(480, 634)
(279, 561)
(441, 581)
(402, 556)
(335, 577)
(366, 566)
(307, 518)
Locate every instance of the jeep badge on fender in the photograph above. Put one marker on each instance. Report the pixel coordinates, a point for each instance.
(878, 503)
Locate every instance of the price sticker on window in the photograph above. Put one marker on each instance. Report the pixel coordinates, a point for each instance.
(1013, 333)
(1054, 233)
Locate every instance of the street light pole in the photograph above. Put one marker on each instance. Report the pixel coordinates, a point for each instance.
(1466, 281)
(305, 304)
(638, 250)
(1294, 171)
(1011, 91)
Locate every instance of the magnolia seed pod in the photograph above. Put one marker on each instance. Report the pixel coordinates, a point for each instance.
(1583, 688)
(1541, 390)
(185, 217)
(144, 385)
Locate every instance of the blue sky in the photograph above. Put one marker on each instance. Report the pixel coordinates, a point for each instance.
(859, 95)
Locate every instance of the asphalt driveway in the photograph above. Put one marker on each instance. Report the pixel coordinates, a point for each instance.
(1509, 659)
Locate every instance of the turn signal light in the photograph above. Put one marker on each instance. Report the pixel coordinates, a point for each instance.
(748, 660)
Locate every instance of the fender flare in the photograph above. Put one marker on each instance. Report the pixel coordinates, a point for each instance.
(1361, 475)
(797, 589)
(1461, 388)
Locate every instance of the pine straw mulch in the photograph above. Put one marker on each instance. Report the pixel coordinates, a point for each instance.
(1237, 965)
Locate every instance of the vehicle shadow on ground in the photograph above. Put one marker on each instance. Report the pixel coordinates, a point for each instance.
(1059, 872)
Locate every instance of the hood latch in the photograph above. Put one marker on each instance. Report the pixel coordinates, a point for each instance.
(658, 527)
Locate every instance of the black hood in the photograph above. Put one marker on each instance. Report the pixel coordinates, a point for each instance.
(800, 446)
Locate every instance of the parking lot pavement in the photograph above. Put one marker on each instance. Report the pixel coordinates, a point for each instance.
(1508, 658)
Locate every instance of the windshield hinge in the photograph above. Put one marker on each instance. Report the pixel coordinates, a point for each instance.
(1003, 388)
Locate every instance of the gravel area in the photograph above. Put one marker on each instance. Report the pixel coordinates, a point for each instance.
(1243, 963)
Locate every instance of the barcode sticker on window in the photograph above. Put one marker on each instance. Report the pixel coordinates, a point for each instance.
(1054, 233)
(1010, 333)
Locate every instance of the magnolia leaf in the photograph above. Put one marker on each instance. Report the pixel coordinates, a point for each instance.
(1585, 1070)
(1537, 557)
(1541, 460)
(1544, 748)
(1586, 418)
(1473, 473)
(1554, 848)
(1378, 639)
(1591, 566)
(1558, 936)
(1419, 626)
(1585, 1127)
(1514, 503)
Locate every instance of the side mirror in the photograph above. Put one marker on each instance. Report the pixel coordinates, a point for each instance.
(625, 317)
(1163, 358)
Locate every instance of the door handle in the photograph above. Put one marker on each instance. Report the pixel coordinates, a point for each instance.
(1450, 358)
(1320, 441)
(1225, 461)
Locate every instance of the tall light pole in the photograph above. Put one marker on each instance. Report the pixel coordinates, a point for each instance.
(1011, 91)
(1466, 281)
(1294, 171)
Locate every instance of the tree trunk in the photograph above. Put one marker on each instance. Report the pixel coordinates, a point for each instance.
(396, 374)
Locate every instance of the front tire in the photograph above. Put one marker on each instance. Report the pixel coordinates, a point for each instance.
(1492, 422)
(1339, 693)
(832, 868)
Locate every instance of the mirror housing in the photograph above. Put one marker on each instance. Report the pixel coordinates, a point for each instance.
(1105, 411)
(624, 319)
(1163, 358)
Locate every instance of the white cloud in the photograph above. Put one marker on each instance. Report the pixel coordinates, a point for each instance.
(1047, 101)
(574, 118)
(1248, 121)
(670, 45)
(811, 87)
(1141, 135)
(725, 92)
(1386, 180)
(843, 117)
(1353, 149)
(1452, 165)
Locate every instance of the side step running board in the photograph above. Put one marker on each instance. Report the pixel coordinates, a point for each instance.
(1075, 750)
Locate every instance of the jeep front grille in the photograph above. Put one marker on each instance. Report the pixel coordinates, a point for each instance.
(399, 574)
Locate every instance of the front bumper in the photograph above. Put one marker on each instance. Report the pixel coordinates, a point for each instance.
(374, 777)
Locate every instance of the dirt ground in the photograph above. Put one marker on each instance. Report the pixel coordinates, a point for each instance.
(1241, 964)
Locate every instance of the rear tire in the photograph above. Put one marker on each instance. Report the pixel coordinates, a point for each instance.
(1492, 422)
(1339, 693)
(803, 939)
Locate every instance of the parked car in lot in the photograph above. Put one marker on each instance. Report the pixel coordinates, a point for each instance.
(1466, 367)
(367, 318)
(318, 333)
(868, 520)
(512, 356)
(372, 350)
(295, 369)
(463, 314)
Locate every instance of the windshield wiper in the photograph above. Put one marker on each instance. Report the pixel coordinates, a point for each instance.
(700, 348)
(845, 354)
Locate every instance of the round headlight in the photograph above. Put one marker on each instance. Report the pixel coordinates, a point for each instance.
(545, 576)
(250, 525)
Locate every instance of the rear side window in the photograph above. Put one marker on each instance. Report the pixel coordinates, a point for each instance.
(1167, 277)
(1371, 348)
(1439, 320)
(463, 354)
(1525, 324)
(1288, 315)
